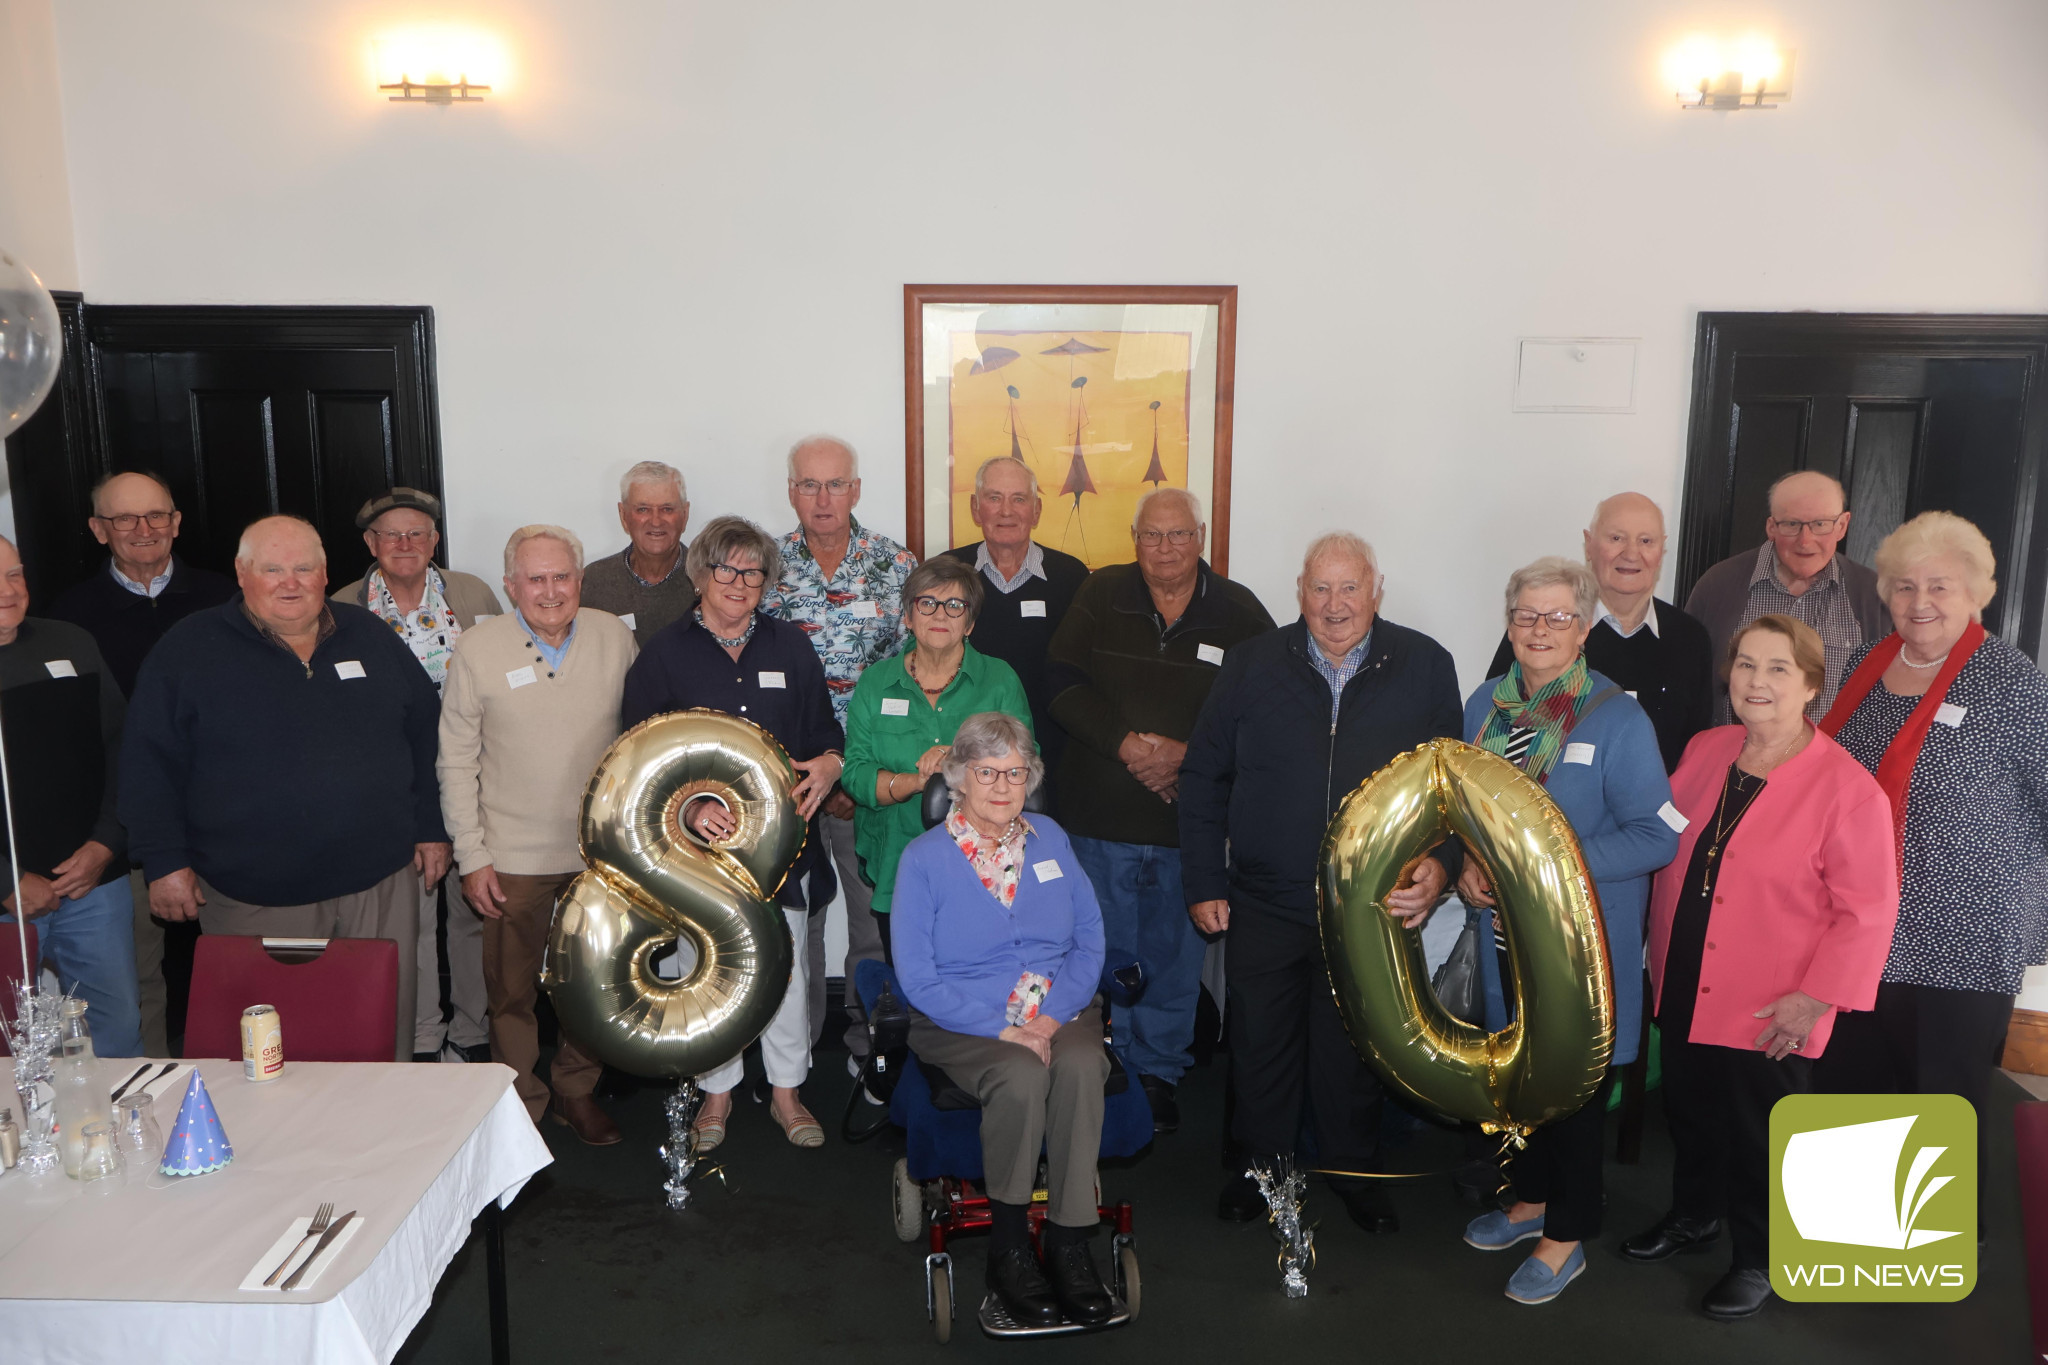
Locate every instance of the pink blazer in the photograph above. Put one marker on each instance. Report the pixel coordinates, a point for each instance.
(1808, 894)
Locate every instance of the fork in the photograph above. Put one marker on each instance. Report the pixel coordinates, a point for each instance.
(322, 1216)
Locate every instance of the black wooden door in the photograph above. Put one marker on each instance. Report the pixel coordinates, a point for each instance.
(1911, 413)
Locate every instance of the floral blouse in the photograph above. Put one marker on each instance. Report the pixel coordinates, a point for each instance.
(854, 618)
(998, 862)
(429, 631)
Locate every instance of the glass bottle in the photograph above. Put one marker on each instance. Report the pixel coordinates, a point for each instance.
(81, 1094)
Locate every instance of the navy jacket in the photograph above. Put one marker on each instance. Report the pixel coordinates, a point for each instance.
(280, 782)
(1265, 770)
(127, 625)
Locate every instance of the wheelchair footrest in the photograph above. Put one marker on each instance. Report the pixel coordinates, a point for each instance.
(997, 1322)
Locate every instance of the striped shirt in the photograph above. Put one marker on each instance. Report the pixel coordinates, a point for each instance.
(1825, 606)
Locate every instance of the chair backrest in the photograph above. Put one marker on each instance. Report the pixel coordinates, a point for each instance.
(340, 1006)
(938, 801)
(10, 968)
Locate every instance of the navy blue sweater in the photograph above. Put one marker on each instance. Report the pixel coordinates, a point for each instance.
(280, 782)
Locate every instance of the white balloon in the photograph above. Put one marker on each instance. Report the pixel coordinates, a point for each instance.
(31, 343)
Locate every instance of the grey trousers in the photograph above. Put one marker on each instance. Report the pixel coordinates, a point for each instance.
(1025, 1103)
(863, 935)
(390, 909)
(465, 972)
(150, 991)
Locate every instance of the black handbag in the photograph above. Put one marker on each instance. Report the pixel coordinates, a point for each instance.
(1458, 988)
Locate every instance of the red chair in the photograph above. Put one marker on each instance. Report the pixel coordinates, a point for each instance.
(10, 968)
(2030, 1128)
(337, 998)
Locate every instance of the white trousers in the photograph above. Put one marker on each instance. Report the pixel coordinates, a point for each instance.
(786, 1046)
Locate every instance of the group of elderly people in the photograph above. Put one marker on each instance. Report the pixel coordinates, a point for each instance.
(1840, 888)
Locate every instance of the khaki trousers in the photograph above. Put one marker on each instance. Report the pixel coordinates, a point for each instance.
(1026, 1104)
(465, 972)
(513, 947)
(390, 909)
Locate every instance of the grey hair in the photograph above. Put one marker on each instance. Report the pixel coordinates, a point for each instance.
(652, 471)
(986, 735)
(541, 531)
(1339, 542)
(981, 472)
(724, 537)
(942, 571)
(1556, 571)
(1771, 493)
(1167, 490)
(243, 554)
(820, 438)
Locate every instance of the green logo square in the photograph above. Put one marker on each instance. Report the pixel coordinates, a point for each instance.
(1873, 1198)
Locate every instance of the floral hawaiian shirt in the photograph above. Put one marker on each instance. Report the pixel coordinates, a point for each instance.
(429, 631)
(998, 862)
(853, 619)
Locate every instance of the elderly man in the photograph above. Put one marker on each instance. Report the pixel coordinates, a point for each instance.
(1296, 719)
(144, 592)
(1030, 585)
(428, 607)
(63, 718)
(644, 584)
(1797, 572)
(531, 705)
(1128, 673)
(842, 584)
(1651, 649)
(277, 775)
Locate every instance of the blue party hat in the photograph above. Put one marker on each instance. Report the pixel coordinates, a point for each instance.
(198, 1144)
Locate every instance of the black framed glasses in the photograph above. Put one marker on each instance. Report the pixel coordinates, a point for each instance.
(929, 606)
(126, 521)
(1820, 526)
(1150, 539)
(726, 573)
(1559, 620)
(1016, 777)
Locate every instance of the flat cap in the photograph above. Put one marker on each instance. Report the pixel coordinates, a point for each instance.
(398, 497)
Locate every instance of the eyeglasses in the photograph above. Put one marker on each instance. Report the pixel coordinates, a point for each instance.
(1150, 539)
(726, 573)
(810, 488)
(126, 521)
(929, 606)
(396, 539)
(1016, 777)
(1819, 526)
(1559, 620)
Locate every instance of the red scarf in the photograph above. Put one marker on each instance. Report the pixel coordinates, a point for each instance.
(1895, 769)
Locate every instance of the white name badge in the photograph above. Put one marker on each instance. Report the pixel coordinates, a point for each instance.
(61, 668)
(1048, 871)
(520, 677)
(1209, 654)
(626, 617)
(1579, 753)
(772, 680)
(1948, 713)
(895, 706)
(864, 607)
(1032, 607)
(348, 668)
(1668, 813)
(1631, 694)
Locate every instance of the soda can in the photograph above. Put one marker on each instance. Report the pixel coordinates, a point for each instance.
(262, 1043)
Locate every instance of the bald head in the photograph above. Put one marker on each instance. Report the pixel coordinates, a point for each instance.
(282, 570)
(1625, 551)
(1807, 488)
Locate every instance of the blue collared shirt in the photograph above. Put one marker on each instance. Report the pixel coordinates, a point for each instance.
(554, 654)
(156, 585)
(1340, 672)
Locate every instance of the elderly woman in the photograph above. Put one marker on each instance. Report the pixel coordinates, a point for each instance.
(1595, 752)
(727, 655)
(1954, 724)
(904, 712)
(1777, 912)
(998, 945)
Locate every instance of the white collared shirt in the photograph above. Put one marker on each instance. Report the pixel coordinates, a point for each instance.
(1649, 621)
(1033, 567)
(156, 585)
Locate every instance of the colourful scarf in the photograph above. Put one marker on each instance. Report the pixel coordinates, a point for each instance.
(1551, 713)
(1895, 769)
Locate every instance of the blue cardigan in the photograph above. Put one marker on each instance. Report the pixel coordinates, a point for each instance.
(1612, 802)
(959, 951)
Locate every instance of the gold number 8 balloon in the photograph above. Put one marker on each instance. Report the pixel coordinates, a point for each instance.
(1549, 1060)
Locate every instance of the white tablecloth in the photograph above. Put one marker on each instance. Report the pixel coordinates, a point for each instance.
(90, 1273)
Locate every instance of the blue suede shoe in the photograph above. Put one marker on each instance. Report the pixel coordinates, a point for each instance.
(1533, 1281)
(1496, 1232)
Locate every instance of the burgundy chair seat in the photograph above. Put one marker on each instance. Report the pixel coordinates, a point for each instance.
(10, 968)
(341, 1006)
(2030, 1127)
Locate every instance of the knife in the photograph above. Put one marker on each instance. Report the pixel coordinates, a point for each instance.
(131, 1080)
(328, 1236)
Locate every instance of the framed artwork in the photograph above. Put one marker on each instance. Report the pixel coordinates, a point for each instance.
(1106, 391)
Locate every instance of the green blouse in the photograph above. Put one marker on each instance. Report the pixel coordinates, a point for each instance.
(889, 725)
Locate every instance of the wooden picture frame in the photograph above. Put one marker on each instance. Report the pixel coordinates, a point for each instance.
(1161, 360)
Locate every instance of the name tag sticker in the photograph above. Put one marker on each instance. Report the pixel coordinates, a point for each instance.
(1668, 813)
(60, 668)
(348, 668)
(1032, 607)
(895, 706)
(1048, 871)
(519, 677)
(1948, 713)
(864, 607)
(772, 680)
(1209, 654)
(627, 618)
(1631, 697)
(1579, 753)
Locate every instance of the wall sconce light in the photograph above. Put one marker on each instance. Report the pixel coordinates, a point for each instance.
(438, 65)
(1751, 73)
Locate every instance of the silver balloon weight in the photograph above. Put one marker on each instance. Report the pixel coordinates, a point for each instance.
(31, 343)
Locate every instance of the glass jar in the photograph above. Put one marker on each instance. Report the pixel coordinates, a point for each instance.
(99, 1156)
(136, 1133)
(81, 1093)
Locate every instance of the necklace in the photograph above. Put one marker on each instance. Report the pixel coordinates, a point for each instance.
(1931, 663)
(737, 643)
(910, 663)
(1723, 827)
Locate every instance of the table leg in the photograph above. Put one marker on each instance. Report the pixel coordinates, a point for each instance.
(494, 1261)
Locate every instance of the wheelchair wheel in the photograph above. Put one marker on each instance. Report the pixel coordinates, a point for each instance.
(907, 1201)
(1127, 1270)
(942, 1308)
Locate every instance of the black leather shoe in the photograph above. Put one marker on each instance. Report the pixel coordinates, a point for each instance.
(1370, 1207)
(1672, 1235)
(1075, 1285)
(1026, 1293)
(426, 1056)
(1738, 1294)
(1165, 1111)
(1240, 1201)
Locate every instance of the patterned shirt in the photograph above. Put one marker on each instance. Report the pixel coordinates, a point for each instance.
(1339, 673)
(998, 862)
(429, 630)
(854, 618)
(1825, 606)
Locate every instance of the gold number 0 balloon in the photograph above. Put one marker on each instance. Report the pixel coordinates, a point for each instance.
(649, 884)
(1549, 1061)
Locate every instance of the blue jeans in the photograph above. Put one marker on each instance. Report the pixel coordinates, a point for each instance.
(1145, 920)
(90, 944)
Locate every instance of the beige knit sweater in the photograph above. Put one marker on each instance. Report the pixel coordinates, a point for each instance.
(518, 742)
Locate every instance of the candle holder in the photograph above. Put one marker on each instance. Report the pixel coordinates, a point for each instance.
(33, 1037)
(1285, 1189)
